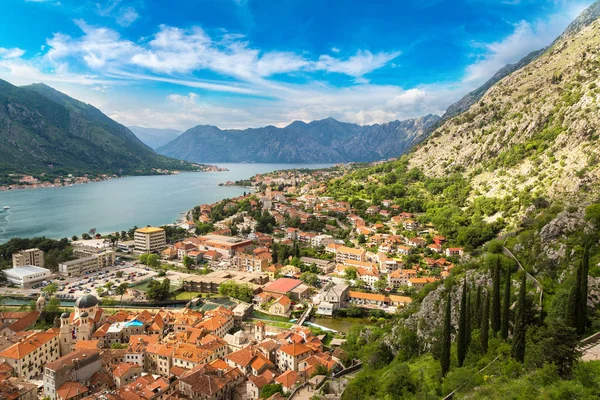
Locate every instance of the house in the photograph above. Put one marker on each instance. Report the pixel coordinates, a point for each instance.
(289, 356)
(454, 251)
(344, 253)
(281, 306)
(361, 299)
(368, 276)
(288, 380)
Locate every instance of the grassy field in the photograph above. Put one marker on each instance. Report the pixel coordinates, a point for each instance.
(187, 295)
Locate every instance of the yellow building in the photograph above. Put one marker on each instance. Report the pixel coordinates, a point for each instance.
(150, 239)
(31, 354)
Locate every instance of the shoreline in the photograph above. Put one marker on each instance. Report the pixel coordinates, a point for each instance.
(85, 180)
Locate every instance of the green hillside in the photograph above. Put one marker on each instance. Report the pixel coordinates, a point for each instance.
(43, 131)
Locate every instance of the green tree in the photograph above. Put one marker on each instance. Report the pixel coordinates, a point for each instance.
(495, 318)
(108, 285)
(362, 239)
(446, 339)
(461, 341)
(310, 279)
(188, 262)
(121, 290)
(153, 261)
(237, 291)
(274, 253)
(270, 389)
(381, 284)
(350, 273)
(506, 307)
(484, 329)
(476, 320)
(583, 290)
(50, 289)
(159, 290)
(74, 238)
(119, 274)
(518, 343)
(144, 258)
(468, 323)
(52, 306)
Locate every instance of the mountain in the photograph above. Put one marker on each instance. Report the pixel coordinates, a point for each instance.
(154, 137)
(473, 97)
(533, 131)
(326, 140)
(45, 131)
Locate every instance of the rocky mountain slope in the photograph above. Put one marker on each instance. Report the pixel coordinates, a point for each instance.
(154, 137)
(43, 131)
(535, 130)
(326, 140)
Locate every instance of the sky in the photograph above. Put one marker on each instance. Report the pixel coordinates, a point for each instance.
(251, 63)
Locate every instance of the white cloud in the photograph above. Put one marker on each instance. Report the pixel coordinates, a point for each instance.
(11, 53)
(525, 38)
(358, 65)
(127, 16)
(188, 100)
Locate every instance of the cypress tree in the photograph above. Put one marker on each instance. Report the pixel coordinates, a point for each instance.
(495, 314)
(484, 329)
(506, 307)
(583, 290)
(468, 326)
(446, 343)
(461, 342)
(274, 253)
(518, 344)
(478, 308)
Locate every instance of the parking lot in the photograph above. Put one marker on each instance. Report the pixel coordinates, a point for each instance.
(72, 288)
(75, 287)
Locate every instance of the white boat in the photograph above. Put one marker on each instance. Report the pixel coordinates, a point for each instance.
(7, 207)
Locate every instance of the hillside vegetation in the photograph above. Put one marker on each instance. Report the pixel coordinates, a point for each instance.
(43, 131)
(536, 130)
(517, 174)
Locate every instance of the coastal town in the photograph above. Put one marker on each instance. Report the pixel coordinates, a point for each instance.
(23, 181)
(221, 304)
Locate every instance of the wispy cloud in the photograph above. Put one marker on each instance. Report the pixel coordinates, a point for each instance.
(11, 53)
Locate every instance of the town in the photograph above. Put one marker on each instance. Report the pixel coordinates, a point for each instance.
(233, 301)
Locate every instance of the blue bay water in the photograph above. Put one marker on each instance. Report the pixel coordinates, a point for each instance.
(119, 204)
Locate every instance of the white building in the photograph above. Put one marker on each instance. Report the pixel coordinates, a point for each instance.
(27, 275)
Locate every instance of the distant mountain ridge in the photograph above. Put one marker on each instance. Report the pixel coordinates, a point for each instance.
(326, 140)
(46, 132)
(154, 137)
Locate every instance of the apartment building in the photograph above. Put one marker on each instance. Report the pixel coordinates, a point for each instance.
(347, 253)
(29, 357)
(85, 265)
(33, 257)
(290, 355)
(150, 239)
(77, 366)
(250, 262)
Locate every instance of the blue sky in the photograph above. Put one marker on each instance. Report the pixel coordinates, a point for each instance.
(249, 63)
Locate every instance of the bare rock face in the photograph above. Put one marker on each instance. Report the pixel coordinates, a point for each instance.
(564, 223)
(593, 292)
(430, 316)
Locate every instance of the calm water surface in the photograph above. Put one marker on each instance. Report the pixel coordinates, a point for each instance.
(119, 204)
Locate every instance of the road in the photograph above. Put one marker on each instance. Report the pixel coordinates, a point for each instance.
(538, 286)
